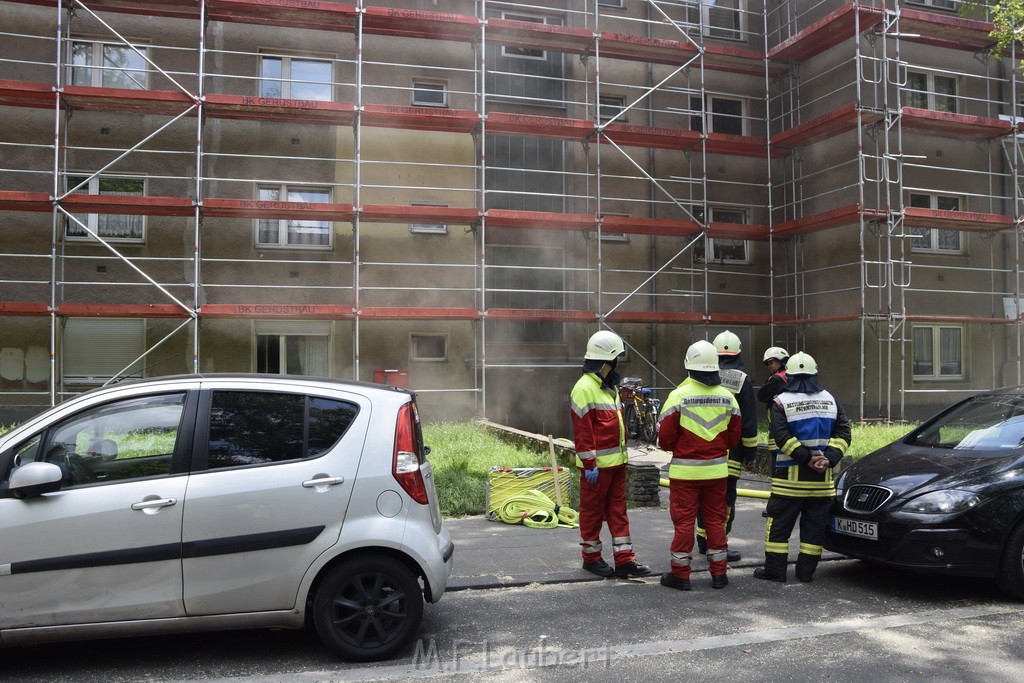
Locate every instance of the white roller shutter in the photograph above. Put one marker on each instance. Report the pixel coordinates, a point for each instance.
(95, 349)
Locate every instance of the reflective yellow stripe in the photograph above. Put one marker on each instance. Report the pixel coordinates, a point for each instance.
(810, 549)
(750, 441)
(698, 470)
(791, 445)
(615, 457)
(839, 444)
(777, 548)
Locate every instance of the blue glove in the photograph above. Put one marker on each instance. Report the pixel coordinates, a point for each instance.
(591, 475)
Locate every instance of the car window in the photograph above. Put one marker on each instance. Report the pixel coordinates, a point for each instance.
(986, 424)
(256, 428)
(121, 440)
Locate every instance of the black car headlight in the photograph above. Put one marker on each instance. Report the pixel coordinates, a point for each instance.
(946, 502)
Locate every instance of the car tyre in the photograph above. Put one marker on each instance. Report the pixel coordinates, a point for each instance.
(1010, 578)
(368, 608)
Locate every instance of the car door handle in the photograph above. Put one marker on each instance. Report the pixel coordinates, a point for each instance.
(154, 503)
(323, 481)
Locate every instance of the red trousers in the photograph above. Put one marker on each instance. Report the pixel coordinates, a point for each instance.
(603, 502)
(686, 496)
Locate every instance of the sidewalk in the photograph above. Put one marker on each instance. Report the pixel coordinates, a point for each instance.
(494, 554)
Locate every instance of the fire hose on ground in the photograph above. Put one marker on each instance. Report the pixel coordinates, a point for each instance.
(746, 493)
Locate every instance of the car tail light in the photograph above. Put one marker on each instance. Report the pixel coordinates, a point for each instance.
(406, 465)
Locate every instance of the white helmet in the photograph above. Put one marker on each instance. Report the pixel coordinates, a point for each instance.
(604, 345)
(727, 343)
(801, 364)
(701, 356)
(775, 353)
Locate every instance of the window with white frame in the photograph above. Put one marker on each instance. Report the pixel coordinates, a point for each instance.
(296, 78)
(531, 277)
(428, 347)
(293, 347)
(725, 114)
(721, 250)
(931, 91)
(611, 3)
(938, 351)
(429, 93)
(109, 65)
(292, 232)
(524, 74)
(609, 106)
(935, 240)
(114, 228)
(428, 228)
(94, 350)
(937, 4)
(722, 18)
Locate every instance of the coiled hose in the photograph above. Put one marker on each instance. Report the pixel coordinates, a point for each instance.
(533, 508)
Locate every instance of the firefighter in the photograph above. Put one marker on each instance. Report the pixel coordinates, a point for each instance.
(775, 358)
(600, 436)
(812, 433)
(744, 456)
(699, 425)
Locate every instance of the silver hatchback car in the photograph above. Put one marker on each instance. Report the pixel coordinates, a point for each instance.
(210, 502)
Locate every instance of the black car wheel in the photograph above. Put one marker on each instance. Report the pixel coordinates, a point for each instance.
(1011, 572)
(368, 608)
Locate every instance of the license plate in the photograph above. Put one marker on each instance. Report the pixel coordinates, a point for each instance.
(855, 527)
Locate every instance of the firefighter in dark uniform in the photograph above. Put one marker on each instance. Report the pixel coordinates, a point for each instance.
(775, 358)
(812, 433)
(744, 455)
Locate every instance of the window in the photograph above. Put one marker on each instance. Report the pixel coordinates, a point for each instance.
(108, 65)
(285, 232)
(296, 78)
(110, 227)
(525, 75)
(428, 228)
(429, 347)
(524, 173)
(429, 93)
(722, 250)
(725, 114)
(722, 18)
(935, 239)
(609, 107)
(938, 352)
(610, 3)
(257, 428)
(94, 350)
(293, 347)
(116, 441)
(525, 277)
(937, 4)
(930, 91)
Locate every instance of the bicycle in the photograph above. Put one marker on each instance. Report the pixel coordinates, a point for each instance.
(639, 410)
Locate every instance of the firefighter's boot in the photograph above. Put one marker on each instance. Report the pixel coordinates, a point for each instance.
(774, 568)
(805, 566)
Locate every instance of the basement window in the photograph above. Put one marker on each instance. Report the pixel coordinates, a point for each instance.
(428, 347)
(429, 93)
(293, 347)
(428, 228)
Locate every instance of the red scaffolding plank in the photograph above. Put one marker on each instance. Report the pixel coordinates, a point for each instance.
(121, 310)
(544, 220)
(828, 31)
(25, 201)
(417, 313)
(26, 94)
(27, 308)
(311, 14)
(687, 317)
(966, 221)
(304, 311)
(259, 208)
(945, 30)
(945, 124)
(829, 124)
(649, 226)
(738, 231)
(739, 145)
(181, 9)
(129, 205)
(253, 108)
(844, 215)
(540, 314)
(419, 118)
(385, 213)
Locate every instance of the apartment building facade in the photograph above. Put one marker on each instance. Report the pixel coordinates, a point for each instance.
(454, 194)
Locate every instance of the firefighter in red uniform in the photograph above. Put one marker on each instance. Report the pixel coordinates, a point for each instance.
(600, 436)
(699, 425)
(734, 378)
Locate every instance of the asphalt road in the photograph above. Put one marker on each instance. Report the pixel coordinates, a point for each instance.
(856, 622)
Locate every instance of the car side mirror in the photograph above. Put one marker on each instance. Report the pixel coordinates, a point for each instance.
(34, 479)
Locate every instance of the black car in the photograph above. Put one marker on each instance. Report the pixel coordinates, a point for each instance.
(948, 497)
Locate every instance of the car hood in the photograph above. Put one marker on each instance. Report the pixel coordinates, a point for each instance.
(904, 468)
